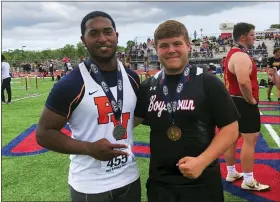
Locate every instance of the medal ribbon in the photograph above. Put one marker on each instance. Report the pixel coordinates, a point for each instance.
(172, 105)
(116, 106)
(242, 48)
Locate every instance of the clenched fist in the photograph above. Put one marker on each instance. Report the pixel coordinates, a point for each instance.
(191, 167)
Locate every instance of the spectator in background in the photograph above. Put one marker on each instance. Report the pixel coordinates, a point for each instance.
(273, 62)
(240, 77)
(275, 76)
(67, 67)
(51, 69)
(6, 81)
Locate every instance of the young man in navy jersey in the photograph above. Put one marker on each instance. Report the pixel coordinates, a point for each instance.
(98, 99)
(183, 105)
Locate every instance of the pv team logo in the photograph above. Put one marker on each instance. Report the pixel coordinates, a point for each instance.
(104, 86)
(120, 84)
(114, 106)
(165, 90)
(180, 87)
(94, 68)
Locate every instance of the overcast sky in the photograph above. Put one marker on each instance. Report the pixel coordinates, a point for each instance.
(44, 25)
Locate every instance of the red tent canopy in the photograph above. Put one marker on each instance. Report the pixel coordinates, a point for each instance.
(65, 59)
(224, 35)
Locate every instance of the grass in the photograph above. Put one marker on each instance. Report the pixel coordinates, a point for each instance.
(44, 177)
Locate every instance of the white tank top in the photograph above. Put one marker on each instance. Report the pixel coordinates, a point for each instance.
(93, 120)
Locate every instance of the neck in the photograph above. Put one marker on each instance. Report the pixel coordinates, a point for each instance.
(110, 65)
(175, 71)
(243, 44)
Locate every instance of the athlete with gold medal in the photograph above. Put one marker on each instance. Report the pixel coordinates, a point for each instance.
(183, 105)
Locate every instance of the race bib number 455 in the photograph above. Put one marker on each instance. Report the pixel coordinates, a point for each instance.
(119, 162)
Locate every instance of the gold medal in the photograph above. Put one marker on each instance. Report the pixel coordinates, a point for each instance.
(174, 133)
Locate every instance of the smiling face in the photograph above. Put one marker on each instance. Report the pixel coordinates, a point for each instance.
(172, 46)
(173, 53)
(101, 39)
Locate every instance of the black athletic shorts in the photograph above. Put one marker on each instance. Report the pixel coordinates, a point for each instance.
(250, 121)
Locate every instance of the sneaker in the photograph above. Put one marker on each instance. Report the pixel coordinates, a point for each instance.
(237, 176)
(9, 102)
(254, 186)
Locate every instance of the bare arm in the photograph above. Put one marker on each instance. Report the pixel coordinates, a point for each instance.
(242, 67)
(48, 135)
(275, 77)
(267, 69)
(221, 142)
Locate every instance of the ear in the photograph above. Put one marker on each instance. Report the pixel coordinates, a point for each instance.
(83, 40)
(189, 46)
(242, 38)
(117, 34)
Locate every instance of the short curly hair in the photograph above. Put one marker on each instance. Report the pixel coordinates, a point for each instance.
(171, 28)
(95, 14)
(276, 50)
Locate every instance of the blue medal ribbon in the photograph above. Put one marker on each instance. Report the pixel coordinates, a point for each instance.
(172, 105)
(116, 106)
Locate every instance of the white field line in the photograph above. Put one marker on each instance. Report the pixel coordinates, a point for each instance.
(32, 96)
(272, 133)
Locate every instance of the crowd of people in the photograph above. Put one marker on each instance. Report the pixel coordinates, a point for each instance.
(208, 47)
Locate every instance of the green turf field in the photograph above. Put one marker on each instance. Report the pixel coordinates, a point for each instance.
(44, 177)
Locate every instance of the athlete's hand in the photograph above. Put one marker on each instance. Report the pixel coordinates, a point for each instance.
(253, 101)
(191, 167)
(103, 150)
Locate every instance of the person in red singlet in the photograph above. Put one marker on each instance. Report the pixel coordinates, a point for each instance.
(240, 78)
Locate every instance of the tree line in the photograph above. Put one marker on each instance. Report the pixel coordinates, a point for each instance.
(71, 51)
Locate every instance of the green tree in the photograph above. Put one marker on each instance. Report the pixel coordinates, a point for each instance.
(129, 44)
(120, 48)
(81, 50)
(69, 51)
(275, 26)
